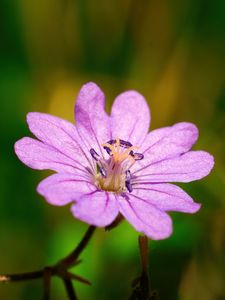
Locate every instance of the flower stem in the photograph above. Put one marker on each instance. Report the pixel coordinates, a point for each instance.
(141, 285)
(70, 289)
(144, 279)
(22, 276)
(47, 283)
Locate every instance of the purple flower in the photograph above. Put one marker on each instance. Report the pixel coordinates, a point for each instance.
(106, 165)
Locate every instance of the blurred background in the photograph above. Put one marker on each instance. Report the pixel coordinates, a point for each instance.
(173, 52)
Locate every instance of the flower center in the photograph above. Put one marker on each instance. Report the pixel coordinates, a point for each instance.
(113, 174)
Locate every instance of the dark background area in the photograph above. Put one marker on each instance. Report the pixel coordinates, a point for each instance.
(173, 52)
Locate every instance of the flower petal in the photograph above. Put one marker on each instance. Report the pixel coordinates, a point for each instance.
(99, 209)
(166, 197)
(190, 166)
(59, 134)
(61, 189)
(130, 117)
(37, 155)
(167, 142)
(92, 122)
(145, 217)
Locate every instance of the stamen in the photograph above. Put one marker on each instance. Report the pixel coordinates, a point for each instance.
(136, 155)
(94, 154)
(128, 181)
(118, 143)
(125, 144)
(122, 143)
(108, 150)
(109, 146)
(111, 142)
(103, 172)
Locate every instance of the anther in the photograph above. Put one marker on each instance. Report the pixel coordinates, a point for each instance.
(103, 172)
(136, 155)
(108, 150)
(128, 181)
(111, 142)
(123, 143)
(94, 154)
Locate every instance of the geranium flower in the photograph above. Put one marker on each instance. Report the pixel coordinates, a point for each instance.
(110, 165)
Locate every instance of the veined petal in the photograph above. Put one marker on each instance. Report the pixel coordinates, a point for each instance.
(92, 122)
(167, 142)
(190, 166)
(99, 208)
(40, 156)
(61, 135)
(166, 197)
(130, 117)
(61, 189)
(145, 217)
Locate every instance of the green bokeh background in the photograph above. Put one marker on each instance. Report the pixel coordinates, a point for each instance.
(173, 52)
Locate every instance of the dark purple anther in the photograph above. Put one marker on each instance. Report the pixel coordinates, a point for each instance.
(103, 172)
(136, 155)
(94, 154)
(128, 181)
(108, 150)
(123, 143)
(111, 142)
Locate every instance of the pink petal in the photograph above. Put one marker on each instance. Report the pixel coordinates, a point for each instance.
(166, 197)
(60, 135)
(40, 156)
(145, 217)
(190, 166)
(92, 122)
(130, 117)
(61, 189)
(99, 209)
(167, 142)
